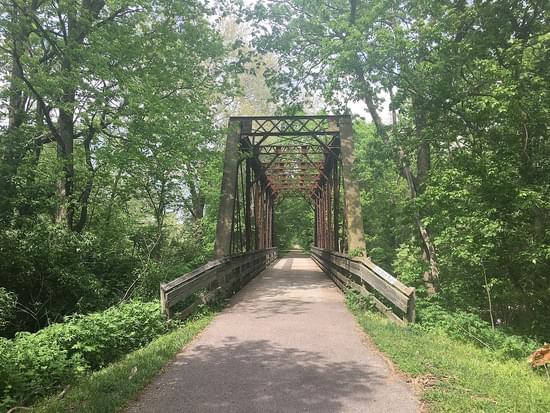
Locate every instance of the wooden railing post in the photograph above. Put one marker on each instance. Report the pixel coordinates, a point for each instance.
(362, 275)
(411, 307)
(164, 306)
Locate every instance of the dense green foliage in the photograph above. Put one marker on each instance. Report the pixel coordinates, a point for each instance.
(7, 307)
(455, 169)
(34, 364)
(459, 325)
(469, 327)
(109, 152)
(293, 223)
(125, 378)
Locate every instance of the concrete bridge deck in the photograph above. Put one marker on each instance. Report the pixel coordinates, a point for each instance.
(286, 343)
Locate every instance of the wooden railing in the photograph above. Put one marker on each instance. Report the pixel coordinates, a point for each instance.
(362, 275)
(221, 277)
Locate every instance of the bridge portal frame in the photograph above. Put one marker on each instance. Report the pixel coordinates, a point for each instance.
(250, 188)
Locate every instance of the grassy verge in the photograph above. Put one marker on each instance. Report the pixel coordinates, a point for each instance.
(458, 377)
(109, 389)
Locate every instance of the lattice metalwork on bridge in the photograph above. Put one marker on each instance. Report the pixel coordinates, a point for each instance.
(269, 158)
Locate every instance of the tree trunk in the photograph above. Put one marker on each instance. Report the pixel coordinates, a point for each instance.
(431, 276)
(423, 165)
(78, 26)
(197, 201)
(85, 196)
(112, 198)
(11, 142)
(65, 152)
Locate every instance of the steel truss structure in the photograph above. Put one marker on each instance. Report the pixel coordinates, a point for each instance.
(268, 158)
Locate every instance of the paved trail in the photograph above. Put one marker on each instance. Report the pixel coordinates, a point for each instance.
(286, 343)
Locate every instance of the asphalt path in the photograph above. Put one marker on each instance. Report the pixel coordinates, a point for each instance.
(286, 343)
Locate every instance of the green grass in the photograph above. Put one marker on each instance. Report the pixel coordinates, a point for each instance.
(458, 377)
(111, 388)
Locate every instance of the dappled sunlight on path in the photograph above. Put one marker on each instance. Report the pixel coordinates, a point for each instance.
(285, 343)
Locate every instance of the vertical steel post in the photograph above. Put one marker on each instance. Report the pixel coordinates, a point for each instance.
(260, 228)
(336, 203)
(257, 216)
(324, 215)
(248, 207)
(271, 226)
(330, 231)
(272, 220)
(229, 185)
(315, 225)
(354, 217)
(267, 220)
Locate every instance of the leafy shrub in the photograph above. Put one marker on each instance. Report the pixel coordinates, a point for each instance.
(153, 274)
(470, 327)
(33, 365)
(357, 301)
(409, 266)
(54, 272)
(7, 307)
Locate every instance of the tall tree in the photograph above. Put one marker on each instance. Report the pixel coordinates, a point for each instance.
(468, 93)
(333, 47)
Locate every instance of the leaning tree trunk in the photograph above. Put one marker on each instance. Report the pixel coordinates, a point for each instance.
(423, 165)
(431, 276)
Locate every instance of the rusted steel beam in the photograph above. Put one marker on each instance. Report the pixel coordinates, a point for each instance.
(266, 166)
(295, 149)
(277, 188)
(304, 147)
(291, 125)
(291, 173)
(248, 207)
(289, 152)
(295, 164)
(320, 169)
(336, 204)
(327, 149)
(311, 183)
(328, 118)
(287, 172)
(330, 232)
(313, 169)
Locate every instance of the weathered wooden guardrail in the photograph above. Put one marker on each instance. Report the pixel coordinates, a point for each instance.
(363, 275)
(223, 276)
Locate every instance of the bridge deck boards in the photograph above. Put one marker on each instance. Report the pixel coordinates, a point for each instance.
(286, 343)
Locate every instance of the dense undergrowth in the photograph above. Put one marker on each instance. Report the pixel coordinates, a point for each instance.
(461, 326)
(471, 328)
(455, 372)
(36, 364)
(49, 273)
(112, 387)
